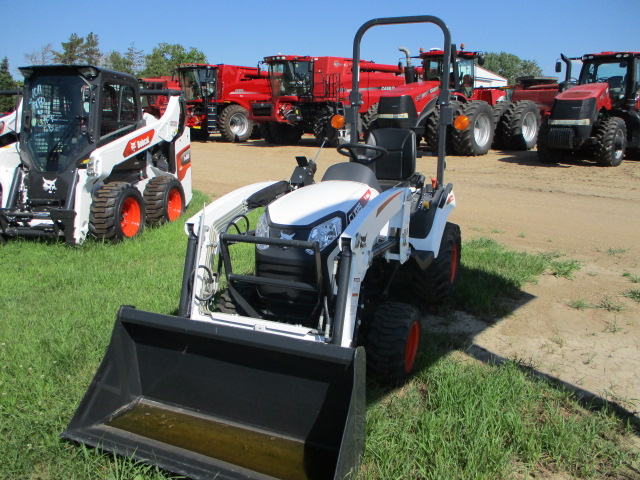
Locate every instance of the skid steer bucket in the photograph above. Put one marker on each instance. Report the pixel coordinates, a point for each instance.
(208, 401)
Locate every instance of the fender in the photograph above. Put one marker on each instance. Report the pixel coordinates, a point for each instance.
(431, 243)
(428, 110)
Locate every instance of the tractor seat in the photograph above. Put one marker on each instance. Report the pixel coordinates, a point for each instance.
(353, 172)
(398, 166)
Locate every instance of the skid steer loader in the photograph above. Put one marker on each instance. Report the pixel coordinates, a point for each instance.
(262, 374)
(89, 161)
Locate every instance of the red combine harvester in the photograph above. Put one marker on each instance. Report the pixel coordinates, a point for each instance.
(306, 92)
(157, 104)
(600, 115)
(219, 96)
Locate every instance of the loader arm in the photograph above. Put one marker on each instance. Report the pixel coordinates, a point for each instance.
(381, 228)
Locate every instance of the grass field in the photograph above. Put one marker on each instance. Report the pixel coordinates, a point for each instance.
(456, 418)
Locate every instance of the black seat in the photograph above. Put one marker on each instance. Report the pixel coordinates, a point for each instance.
(354, 172)
(399, 165)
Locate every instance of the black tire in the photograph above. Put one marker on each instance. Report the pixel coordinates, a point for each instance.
(393, 341)
(199, 134)
(265, 132)
(477, 138)
(441, 278)
(370, 119)
(520, 126)
(612, 142)
(432, 124)
(546, 154)
(117, 212)
(164, 200)
(234, 124)
(322, 129)
(226, 303)
(498, 113)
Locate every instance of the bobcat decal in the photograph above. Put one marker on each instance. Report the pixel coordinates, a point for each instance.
(49, 186)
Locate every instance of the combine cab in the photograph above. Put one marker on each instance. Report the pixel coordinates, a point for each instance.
(306, 93)
(600, 116)
(262, 374)
(90, 162)
(219, 97)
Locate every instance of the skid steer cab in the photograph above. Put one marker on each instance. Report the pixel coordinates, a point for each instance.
(90, 162)
(262, 373)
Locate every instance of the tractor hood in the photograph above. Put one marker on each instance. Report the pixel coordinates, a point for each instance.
(310, 204)
(418, 90)
(599, 91)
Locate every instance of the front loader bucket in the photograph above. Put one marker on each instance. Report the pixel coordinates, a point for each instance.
(209, 401)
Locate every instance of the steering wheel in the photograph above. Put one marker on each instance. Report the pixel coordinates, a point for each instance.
(358, 152)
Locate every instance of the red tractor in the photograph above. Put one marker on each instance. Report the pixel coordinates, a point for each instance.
(493, 120)
(306, 92)
(598, 116)
(219, 97)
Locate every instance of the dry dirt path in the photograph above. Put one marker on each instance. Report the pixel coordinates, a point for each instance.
(585, 212)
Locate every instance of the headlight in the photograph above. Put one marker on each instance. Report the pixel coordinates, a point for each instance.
(262, 230)
(94, 167)
(325, 233)
(584, 121)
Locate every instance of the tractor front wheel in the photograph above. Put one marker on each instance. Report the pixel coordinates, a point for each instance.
(117, 212)
(393, 341)
(612, 141)
(520, 125)
(547, 154)
(234, 124)
(477, 138)
(164, 199)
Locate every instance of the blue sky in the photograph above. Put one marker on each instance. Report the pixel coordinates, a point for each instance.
(242, 32)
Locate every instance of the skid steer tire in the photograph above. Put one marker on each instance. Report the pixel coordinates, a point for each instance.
(612, 141)
(477, 138)
(393, 341)
(164, 200)
(117, 212)
(440, 279)
(519, 126)
(234, 124)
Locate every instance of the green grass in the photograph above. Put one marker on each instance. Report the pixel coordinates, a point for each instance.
(453, 420)
(633, 294)
(633, 278)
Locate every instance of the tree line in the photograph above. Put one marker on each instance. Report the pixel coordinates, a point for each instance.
(165, 56)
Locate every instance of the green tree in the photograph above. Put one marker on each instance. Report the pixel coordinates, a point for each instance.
(511, 66)
(7, 103)
(79, 50)
(131, 62)
(71, 53)
(163, 59)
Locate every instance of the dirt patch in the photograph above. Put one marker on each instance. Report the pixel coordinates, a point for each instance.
(583, 331)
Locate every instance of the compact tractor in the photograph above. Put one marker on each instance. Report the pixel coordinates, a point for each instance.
(262, 373)
(89, 162)
(307, 92)
(600, 115)
(219, 97)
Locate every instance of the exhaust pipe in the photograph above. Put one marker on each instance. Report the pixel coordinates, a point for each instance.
(209, 401)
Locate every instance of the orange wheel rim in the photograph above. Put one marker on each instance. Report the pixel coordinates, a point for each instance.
(131, 217)
(411, 351)
(174, 204)
(454, 262)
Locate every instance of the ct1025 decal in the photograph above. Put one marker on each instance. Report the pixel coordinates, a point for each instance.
(360, 204)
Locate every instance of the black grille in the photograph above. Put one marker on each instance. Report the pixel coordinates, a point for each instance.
(574, 109)
(262, 109)
(561, 137)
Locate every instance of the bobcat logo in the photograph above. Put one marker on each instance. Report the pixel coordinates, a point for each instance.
(49, 186)
(286, 236)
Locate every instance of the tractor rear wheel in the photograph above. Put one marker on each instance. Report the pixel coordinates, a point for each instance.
(322, 130)
(498, 113)
(520, 125)
(117, 212)
(164, 199)
(234, 124)
(393, 341)
(370, 119)
(280, 133)
(477, 138)
(612, 141)
(440, 279)
(432, 125)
